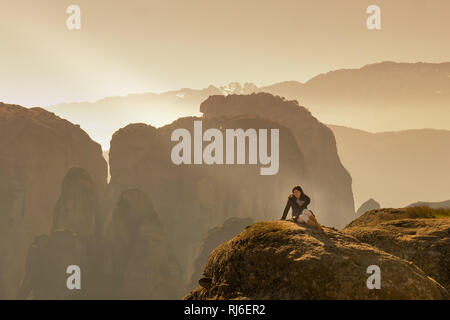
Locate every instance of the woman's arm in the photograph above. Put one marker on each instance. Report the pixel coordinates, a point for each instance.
(286, 210)
(307, 201)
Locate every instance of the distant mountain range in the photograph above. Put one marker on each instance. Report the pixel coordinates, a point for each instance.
(377, 97)
(396, 168)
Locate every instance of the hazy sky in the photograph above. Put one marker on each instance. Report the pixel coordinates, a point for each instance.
(148, 45)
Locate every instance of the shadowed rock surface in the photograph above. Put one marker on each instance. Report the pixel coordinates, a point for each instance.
(77, 208)
(139, 260)
(370, 204)
(230, 228)
(47, 263)
(36, 150)
(71, 242)
(283, 260)
(401, 232)
(333, 197)
(192, 199)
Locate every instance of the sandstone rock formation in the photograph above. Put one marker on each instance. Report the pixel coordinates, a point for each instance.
(77, 208)
(333, 197)
(216, 236)
(139, 260)
(36, 150)
(192, 199)
(405, 233)
(72, 242)
(370, 204)
(283, 260)
(47, 267)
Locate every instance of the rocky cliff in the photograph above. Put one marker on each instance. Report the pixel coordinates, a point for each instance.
(132, 261)
(192, 199)
(283, 260)
(370, 204)
(230, 228)
(330, 180)
(72, 242)
(139, 261)
(393, 167)
(36, 150)
(419, 235)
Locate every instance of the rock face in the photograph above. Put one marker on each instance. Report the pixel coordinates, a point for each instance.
(333, 197)
(230, 228)
(139, 260)
(423, 241)
(370, 204)
(77, 208)
(192, 199)
(36, 150)
(47, 267)
(72, 242)
(282, 260)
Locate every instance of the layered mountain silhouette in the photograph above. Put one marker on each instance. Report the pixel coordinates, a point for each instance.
(147, 233)
(377, 97)
(396, 168)
(133, 239)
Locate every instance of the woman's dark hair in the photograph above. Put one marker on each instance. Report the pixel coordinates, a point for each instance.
(297, 188)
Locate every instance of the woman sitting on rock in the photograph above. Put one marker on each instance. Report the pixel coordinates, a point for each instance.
(299, 202)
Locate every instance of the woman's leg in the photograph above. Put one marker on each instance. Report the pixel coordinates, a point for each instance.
(312, 221)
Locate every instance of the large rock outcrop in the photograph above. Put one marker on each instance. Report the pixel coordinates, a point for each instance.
(283, 260)
(139, 262)
(370, 204)
(36, 150)
(73, 241)
(216, 236)
(192, 199)
(330, 180)
(411, 234)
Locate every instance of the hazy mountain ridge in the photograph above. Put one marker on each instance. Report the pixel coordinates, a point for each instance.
(396, 168)
(377, 97)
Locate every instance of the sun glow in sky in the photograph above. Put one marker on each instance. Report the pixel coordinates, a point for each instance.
(153, 46)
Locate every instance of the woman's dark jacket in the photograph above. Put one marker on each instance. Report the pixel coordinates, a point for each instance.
(297, 208)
